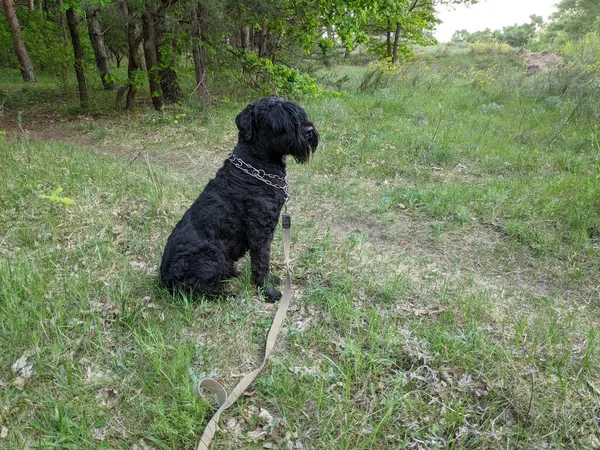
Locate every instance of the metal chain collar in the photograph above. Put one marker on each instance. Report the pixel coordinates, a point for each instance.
(261, 175)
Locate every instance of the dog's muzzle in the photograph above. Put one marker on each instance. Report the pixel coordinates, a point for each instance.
(312, 136)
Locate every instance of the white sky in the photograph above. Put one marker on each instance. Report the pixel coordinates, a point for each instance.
(492, 14)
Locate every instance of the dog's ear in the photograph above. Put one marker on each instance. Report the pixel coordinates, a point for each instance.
(244, 122)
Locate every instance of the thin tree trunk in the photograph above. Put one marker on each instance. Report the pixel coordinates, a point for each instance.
(199, 17)
(264, 36)
(389, 39)
(133, 43)
(25, 63)
(245, 37)
(151, 59)
(31, 5)
(169, 84)
(396, 42)
(97, 39)
(78, 53)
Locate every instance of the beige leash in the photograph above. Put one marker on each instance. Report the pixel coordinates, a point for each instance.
(214, 386)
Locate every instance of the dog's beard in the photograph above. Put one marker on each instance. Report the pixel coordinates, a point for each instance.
(306, 144)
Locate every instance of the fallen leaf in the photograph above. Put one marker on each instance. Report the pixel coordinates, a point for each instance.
(142, 446)
(107, 397)
(257, 435)
(99, 434)
(3, 432)
(22, 362)
(265, 417)
(19, 383)
(233, 426)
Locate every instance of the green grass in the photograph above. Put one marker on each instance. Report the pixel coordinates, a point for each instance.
(446, 246)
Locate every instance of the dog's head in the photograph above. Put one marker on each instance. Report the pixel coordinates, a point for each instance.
(279, 127)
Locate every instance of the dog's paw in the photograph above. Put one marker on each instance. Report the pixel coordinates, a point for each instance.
(274, 279)
(271, 294)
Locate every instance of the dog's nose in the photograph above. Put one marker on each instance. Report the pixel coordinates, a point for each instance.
(309, 129)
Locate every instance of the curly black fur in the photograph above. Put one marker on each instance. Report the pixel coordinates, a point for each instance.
(237, 212)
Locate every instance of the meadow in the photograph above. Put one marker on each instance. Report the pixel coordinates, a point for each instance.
(446, 283)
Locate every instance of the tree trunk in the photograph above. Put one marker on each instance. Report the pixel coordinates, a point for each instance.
(31, 5)
(151, 59)
(168, 77)
(97, 39)
(25, 63)
(133, 43)
(117, 55)
(199, 18)
(78, 53)
(389, 39)
(396, 42)
(170, 85)
(264, 37)
(245, 37)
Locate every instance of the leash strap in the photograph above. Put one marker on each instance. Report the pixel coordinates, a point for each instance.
(215, 387)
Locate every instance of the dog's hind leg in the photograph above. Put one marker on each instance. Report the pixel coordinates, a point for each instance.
(205, 269)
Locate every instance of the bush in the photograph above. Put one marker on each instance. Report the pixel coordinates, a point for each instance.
(491, 48)
(276, 79)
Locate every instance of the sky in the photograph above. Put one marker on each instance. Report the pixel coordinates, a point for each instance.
(492, 14)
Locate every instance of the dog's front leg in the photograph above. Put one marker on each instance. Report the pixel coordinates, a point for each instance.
(259, 259)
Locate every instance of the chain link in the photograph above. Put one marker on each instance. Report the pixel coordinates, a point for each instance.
(261, 175)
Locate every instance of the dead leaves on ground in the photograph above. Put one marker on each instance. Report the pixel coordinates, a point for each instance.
(259, 425)
(23, 369)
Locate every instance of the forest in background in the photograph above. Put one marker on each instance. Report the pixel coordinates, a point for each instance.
(176, 49)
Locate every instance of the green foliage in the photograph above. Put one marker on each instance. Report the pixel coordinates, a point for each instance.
(584, 51)
(276, 79)
(514, 35)
(44, 41)
(491, 49)
(57, 198)
(378, 75)
(7, 58)
(572, 20)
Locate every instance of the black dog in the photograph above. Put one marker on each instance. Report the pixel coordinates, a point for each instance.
(239, 208)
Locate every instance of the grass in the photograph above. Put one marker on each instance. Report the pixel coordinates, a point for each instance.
(446, 241)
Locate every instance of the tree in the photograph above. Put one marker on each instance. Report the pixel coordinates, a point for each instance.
(514, 35)
(517, 35)
(574, 19)
(114, 30)
(134, 38)
(72, 23)
(25, 63)
(151, 58)
(166, 51)
(401, 24)
(199, 23)
(97, 40)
